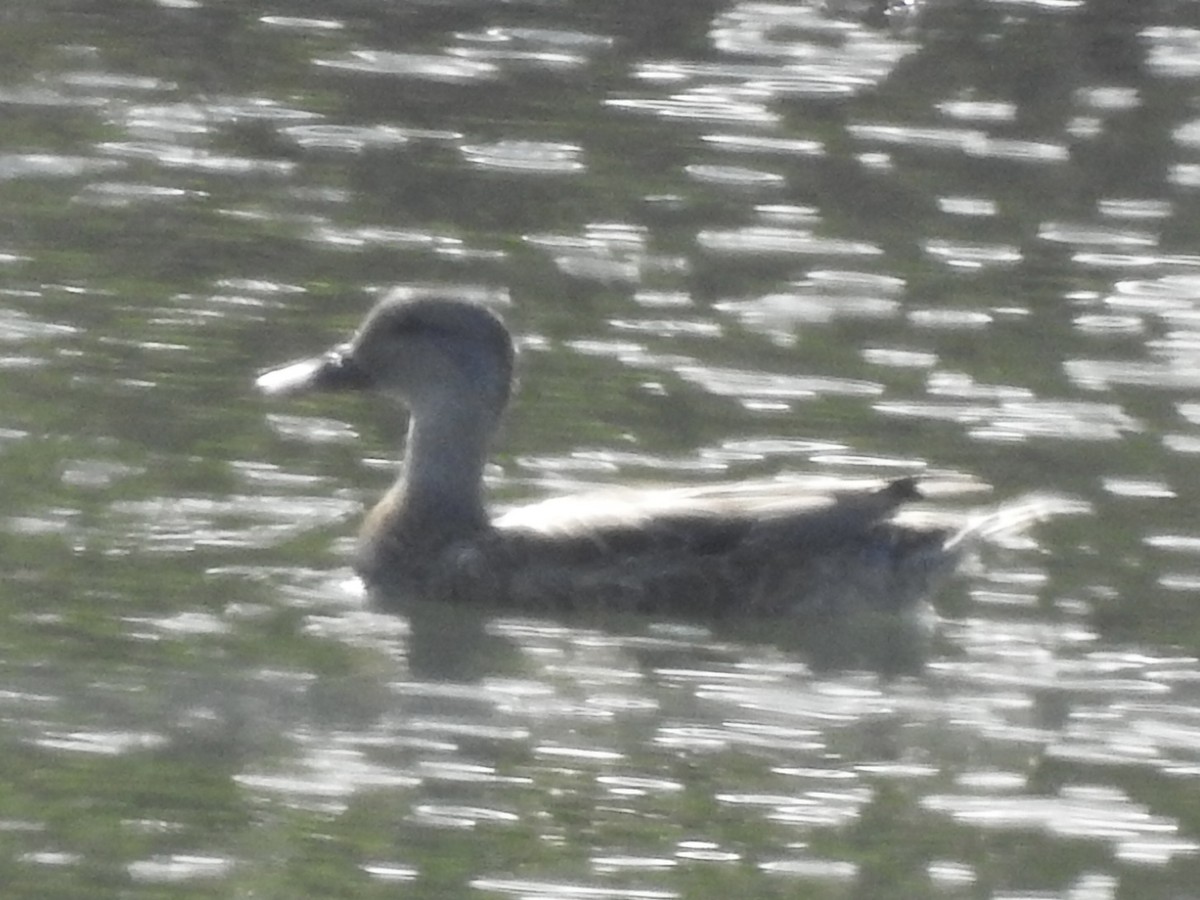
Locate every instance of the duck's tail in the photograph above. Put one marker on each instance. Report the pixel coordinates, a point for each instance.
(930, 545)
(1011, 519)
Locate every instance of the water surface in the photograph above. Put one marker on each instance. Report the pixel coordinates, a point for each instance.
(736, 240)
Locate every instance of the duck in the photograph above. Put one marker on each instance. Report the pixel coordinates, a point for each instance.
(753, 550)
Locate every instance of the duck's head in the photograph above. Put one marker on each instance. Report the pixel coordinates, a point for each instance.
(425, 352)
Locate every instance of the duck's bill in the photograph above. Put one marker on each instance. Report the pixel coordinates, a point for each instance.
(335, 371)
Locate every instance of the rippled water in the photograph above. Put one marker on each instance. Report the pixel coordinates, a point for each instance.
(736, 240)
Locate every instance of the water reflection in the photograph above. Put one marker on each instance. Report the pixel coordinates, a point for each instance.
(411, 65)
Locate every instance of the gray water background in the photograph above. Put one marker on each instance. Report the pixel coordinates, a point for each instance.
(736, 240)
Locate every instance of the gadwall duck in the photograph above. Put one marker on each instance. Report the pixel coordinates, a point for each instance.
(698, 553)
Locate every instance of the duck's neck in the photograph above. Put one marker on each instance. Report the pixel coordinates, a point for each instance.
(439, 495)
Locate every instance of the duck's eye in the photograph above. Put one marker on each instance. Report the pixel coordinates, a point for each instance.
(404, 325)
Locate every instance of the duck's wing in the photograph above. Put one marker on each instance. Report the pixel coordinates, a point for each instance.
(736, 551)
(650, 509)
(712, 551)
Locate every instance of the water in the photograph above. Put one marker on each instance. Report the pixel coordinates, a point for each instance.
(735, 240)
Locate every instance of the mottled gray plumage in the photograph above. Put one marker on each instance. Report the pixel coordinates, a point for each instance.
(760, 549)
